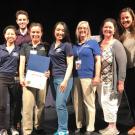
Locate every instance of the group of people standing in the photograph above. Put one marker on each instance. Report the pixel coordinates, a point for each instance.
(82, 69)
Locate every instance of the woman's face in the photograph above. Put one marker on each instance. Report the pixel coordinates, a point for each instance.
(83, 31)
(59, 32)
(10, 35)
(126, 19)
(108, 29)
(36, 34)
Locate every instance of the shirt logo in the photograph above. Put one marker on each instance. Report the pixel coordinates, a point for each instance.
(58, 50)
(15, 54)
(86, 45)
(42, 48)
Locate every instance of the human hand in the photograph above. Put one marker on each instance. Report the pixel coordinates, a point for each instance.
(47, 73)
(63, 86)
(23, 82)
(120, 86)
(95, 81)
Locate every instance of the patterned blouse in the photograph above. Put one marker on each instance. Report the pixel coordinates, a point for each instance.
(107, 68)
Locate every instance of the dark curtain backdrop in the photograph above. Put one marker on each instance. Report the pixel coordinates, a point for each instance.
(48, 12)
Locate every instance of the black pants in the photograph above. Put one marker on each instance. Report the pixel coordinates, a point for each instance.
(15, 104)
(10, 102)
(6, 85)
(130, 90)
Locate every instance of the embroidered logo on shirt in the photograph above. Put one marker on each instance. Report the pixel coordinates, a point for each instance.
(58, 50)
(86, 45)
(42, 48)
(15, 54)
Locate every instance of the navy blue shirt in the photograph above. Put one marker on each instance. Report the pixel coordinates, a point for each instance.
(9, 61)
(58, 58)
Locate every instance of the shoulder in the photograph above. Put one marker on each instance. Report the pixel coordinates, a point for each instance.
(118, 48)
(75, 47)
(18, 32)
(2, 46)
(17, 47)
(47, 45)
(117, 44)
(67, 44)
(92, 42)
(26, 45)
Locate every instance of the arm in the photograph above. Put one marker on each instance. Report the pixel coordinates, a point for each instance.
(68, 73)
(21, 70)
(121, 60)
(96, 79)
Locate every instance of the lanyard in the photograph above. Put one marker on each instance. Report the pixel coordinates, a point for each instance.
(80, 49)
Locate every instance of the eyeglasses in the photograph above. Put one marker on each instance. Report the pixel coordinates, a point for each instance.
(82, 28)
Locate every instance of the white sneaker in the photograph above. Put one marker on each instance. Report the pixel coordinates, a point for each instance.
(110, 131)
(103, 130)
(14, 131)
(3, 132)
(61, 133)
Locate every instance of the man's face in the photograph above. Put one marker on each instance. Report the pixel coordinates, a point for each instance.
(22, 21)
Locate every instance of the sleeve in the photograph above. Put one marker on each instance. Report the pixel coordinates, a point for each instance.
(96, 48)
(22, 51)
(121, 60)
(69, 49)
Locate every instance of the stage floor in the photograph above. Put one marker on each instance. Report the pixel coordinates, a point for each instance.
(124, 121)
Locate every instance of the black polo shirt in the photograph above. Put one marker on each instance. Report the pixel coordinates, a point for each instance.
(9, 61)
(28, 49)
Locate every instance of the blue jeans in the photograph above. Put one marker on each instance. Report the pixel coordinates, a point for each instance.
(61, 100)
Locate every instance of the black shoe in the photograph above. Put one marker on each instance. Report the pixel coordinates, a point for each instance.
(88, 133)
(77, 131)
(39, 131)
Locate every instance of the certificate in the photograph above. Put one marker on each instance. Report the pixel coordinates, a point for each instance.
(35, 74)
(36, 79)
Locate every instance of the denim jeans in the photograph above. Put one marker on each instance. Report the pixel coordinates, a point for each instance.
(61, 100)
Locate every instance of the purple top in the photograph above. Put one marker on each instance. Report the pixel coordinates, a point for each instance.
(21, 39)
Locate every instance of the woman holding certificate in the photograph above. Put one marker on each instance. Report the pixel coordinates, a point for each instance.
(61, 56)
(33, 98)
